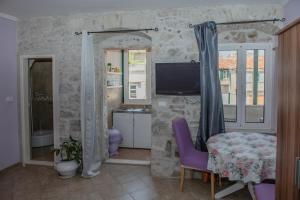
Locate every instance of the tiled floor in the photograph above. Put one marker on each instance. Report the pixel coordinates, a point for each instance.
(42, 153)
(115, 182)
(133, 154)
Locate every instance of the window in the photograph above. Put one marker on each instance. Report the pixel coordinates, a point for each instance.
(137, 77)
(246, 84)
(132, 91)
(255, 86)
(129, 69)
(227, 74)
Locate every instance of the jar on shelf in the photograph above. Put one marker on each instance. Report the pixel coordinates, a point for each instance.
(109, 68)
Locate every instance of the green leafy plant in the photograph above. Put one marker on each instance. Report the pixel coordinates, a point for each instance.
(70, 150)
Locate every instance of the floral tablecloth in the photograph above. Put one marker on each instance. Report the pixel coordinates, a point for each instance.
(247, 157)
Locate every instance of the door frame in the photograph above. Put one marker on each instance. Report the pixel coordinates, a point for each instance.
(24, 108)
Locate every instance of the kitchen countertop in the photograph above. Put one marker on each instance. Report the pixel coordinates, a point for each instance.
(133, 110)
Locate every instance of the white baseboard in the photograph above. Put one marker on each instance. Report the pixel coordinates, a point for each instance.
(128, 162)
(36, 162)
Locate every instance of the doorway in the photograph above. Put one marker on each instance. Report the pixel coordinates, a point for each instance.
(39, 113)
(125, 82)
(41, 109)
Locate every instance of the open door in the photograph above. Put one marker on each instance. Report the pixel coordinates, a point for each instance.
(39, 109)
(40, 96)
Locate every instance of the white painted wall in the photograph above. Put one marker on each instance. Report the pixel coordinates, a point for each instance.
(9, 131)
(291, 11)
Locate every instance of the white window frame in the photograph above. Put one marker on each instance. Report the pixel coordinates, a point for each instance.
(241, 124)
(146, 101)
(130, 89)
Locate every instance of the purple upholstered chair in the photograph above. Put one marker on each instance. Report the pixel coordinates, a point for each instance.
(265, 191)
(190, 158)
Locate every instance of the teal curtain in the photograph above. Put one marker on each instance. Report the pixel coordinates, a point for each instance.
(212, 114)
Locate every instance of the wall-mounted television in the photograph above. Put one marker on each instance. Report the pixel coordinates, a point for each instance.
(177, 78)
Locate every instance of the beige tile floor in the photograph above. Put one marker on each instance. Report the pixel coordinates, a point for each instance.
(115, 182)
(133, 154)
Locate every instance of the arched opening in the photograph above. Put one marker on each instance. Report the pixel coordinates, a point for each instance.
(113, 56)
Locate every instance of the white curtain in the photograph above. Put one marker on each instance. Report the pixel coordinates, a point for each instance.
(90, 136)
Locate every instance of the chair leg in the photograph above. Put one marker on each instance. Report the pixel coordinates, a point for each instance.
(205, 177)
(212, 185)
(192, 173)
(181, 178)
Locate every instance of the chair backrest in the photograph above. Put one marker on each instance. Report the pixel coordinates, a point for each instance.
(182, 136)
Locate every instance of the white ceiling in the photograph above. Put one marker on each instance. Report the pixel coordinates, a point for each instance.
(31, 8)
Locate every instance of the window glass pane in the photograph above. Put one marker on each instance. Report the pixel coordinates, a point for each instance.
(228, 78)
(137, 74)
(255, 86)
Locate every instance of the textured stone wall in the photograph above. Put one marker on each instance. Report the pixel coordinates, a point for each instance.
(174, 42)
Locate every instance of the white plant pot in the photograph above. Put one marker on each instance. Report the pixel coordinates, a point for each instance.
(67, 169)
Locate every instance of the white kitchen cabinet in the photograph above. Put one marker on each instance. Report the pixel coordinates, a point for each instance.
(142, 130)
(135, 128)
(124, 123)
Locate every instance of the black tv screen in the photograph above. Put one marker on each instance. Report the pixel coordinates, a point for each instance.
(177, 78)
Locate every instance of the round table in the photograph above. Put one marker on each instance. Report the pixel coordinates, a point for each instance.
(242, 157)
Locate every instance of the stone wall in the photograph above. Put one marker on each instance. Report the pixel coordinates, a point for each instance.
(174, 42)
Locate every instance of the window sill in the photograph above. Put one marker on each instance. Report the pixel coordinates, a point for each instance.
(270, 131)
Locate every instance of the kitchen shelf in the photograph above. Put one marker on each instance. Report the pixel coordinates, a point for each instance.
(114, 73)
(115, 86)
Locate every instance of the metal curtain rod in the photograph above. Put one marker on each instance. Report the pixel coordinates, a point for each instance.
(120, 31)
(248, 22)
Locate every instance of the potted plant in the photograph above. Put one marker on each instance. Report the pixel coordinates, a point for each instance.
(70, 152)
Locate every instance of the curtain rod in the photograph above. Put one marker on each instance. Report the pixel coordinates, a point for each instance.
(120, 31)
(247, 22)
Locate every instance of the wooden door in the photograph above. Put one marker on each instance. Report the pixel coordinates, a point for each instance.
(288, 129)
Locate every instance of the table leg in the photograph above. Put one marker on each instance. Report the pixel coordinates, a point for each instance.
(212, 185)
(231, 189)
(205, 176)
